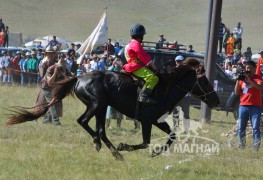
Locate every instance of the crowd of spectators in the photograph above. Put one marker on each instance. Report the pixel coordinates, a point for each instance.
(234, 63)
(22, 67)
(230, 48)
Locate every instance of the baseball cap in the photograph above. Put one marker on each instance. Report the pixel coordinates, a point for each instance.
(179, 58)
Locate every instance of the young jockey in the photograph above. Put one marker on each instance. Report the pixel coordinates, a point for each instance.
(139, 63)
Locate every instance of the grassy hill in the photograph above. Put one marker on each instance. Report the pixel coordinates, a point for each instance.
(181, 20)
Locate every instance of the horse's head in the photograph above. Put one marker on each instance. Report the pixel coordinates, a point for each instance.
(204, 91)
(192, 79)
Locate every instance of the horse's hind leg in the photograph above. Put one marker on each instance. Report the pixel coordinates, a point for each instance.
(83, 120)
(101, 121)
(172, 136)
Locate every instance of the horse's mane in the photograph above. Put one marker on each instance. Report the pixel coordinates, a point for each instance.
(192, 62)
(184, 69)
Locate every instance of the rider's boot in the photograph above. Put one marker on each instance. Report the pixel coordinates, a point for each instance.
(144, 96)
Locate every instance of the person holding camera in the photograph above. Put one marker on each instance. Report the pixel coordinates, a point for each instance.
(248, 86)
(55, 73)
(51, 72)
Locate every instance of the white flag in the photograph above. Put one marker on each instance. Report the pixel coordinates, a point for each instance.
(97, 38)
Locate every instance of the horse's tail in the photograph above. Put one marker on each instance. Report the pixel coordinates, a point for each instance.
(60, 90)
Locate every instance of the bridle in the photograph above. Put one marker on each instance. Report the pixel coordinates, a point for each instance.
(202, 97)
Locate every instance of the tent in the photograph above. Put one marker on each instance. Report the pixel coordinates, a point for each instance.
(46, 39)
(78, 42)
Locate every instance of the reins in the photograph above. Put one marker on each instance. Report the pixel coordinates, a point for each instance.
(192, 90)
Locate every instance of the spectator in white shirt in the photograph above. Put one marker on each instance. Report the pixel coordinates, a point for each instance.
(237, 32)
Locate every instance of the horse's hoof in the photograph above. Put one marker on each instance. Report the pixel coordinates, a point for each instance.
(120, 147)
(156, 152)
(98, 147)
(97, 144)
(119, 157)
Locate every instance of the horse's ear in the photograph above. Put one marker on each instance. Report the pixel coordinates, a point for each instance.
(201, 70)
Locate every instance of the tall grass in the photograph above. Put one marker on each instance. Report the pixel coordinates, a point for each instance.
(38, 151)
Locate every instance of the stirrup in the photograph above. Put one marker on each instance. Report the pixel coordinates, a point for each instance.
(147, 100)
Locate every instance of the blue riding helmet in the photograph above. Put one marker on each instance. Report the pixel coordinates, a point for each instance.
(137, 29)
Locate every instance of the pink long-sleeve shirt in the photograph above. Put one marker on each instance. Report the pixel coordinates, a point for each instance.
(136, 56)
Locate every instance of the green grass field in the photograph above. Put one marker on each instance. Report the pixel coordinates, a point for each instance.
(38, 151)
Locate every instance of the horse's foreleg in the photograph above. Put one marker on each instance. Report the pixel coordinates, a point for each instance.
(172, 136)
(101, 124)
(83, 121)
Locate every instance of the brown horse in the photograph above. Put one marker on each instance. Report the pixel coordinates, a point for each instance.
(98, 89)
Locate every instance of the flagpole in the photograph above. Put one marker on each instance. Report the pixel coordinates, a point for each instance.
(107, 43)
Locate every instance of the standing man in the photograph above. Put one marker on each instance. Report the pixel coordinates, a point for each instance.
(54, 73)
(39, 46)
(50, 73)
(190, 49)
(140, 64)
(109, 48)
(2, 38)
(32, 68)
(2, 25)
(70, 61)
(238, 35)
(6, 39)
(249, 88)
(184, 104)
(16, 68)
(54, 43)
(221, 32)
(117, 48)
(50, 60)
(71, 51)
(22, 64)
(8, 67)
(161, 41)
(260, 63)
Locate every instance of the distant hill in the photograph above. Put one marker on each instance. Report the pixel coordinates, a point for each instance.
(181, 20)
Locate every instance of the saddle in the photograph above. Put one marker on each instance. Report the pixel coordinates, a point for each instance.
(137, 80)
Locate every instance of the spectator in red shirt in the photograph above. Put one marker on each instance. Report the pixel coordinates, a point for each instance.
(249, 88)
(16, 67)
(260, 62)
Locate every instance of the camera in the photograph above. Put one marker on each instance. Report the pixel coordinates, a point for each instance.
(60, 68)
(242, 75)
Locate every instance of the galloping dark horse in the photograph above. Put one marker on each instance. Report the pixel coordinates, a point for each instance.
(97, 90)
